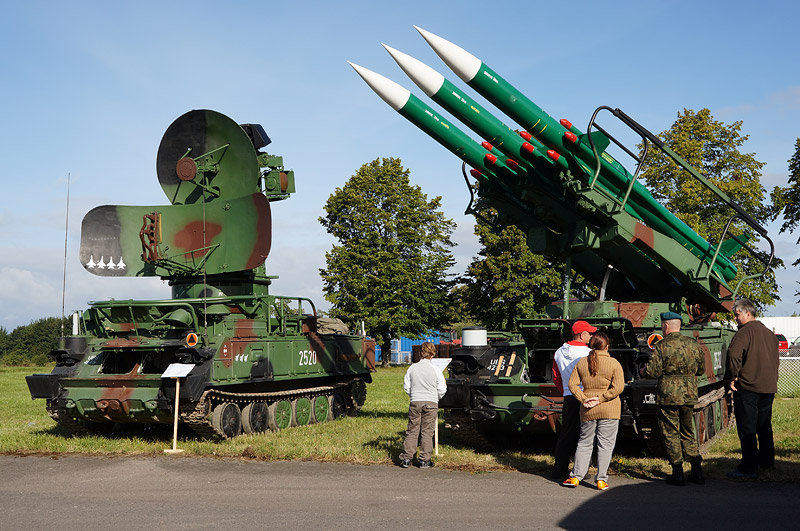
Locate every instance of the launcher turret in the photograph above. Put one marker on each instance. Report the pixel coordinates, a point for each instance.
(566, 192)
(576, 202)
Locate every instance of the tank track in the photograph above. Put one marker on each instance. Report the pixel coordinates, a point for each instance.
(198, 416)
(62, 418)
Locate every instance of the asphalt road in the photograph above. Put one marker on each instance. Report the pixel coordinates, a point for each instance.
(187, 493)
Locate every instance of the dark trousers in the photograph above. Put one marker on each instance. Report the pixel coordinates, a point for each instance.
(754, 425)
(677, 428)
(421, 427)
(568, 436)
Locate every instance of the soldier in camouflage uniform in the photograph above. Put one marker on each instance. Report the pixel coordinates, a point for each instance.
(676, 363)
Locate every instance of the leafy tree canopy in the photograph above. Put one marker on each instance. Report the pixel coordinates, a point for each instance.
(787, 200)
(390, 267)
(507, 281)
(713, 148)
(30, 344)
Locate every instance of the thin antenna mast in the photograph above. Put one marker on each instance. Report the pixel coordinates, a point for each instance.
(64, 280)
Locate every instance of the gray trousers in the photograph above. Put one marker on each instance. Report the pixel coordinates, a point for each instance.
(604, 431)
(421, 425)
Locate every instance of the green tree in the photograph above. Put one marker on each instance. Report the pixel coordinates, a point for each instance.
(390, 267)
(506, 281)
(786, 200)
(30, 344)
(713, 148)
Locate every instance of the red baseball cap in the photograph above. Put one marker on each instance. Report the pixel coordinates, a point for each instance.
(582, 326)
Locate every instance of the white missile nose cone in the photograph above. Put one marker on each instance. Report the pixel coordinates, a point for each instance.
(460, 61)
(425, 77)
(392, 93)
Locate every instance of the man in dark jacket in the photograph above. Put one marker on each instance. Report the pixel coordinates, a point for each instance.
(677, 361)
(753, 377)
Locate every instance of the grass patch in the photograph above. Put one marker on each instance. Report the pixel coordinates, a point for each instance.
(375, 436)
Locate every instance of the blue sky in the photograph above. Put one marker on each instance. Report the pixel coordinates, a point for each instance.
(88, 89)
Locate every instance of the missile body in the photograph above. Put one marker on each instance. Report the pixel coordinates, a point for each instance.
(472, 114)
(613, 177)
(561, 224)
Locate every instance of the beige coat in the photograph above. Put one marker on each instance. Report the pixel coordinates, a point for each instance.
(607, 384)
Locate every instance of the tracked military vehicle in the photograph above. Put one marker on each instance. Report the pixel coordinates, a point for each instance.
(260, 361)
(575, 202)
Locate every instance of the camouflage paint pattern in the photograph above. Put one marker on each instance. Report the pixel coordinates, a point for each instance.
(258, 360)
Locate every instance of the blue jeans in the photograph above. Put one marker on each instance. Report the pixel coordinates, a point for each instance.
(754, 426)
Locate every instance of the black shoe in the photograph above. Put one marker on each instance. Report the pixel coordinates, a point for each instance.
(405, 463)
(558, 474)
(696, 475)
(677, 476)
(426, 464)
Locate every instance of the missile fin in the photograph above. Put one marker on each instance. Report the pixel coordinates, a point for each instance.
(601, 141)
(731, 246)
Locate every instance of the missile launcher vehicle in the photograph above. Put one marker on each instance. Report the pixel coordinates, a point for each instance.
(577, 204)
(259, 361)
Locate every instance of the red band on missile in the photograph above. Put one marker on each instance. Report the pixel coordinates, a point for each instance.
(571, 137)
(528, 147)
(511, 163)
(553, 154)
(566, 123)
(487, 146)
(490, 158)
(475, 173)
(524, 134)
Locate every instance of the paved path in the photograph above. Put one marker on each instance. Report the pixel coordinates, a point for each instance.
(121, 493)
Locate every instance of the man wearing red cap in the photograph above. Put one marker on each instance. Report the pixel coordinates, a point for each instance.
(564, 361)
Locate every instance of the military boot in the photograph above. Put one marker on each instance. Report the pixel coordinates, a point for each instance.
(696, 474)
(677, 476)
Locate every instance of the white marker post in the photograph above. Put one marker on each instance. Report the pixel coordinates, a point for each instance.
(176, 371)
(441, 364)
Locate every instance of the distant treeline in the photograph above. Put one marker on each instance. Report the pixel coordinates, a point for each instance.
(30, 344)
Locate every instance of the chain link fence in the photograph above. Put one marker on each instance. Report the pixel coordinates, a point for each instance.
(789, 374)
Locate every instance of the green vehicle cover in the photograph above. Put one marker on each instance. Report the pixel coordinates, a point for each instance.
(258, 361)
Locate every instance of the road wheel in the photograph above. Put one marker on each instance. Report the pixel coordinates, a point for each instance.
(280, 415)
(320, 409)
(254, 417)
(227, 419)
(338, 406)
(358, 395)
(302, 411)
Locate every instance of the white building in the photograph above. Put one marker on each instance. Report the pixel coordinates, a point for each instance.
(788, 326)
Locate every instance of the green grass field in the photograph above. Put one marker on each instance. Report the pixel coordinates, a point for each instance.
(375, 436)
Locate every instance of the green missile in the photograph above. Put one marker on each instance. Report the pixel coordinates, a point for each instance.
(477, 118)
(519, 197)
(441, 130)
(563, 137)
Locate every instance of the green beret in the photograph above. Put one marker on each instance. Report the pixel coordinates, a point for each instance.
(667, 316)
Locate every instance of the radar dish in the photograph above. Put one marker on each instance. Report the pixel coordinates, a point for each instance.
(204, 155)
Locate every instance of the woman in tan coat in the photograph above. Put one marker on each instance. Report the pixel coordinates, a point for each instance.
(596, 382)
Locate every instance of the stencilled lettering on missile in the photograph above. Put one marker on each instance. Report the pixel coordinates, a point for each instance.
(478, 111)
(457, 95)
(490, 76)
(241, 357)
(608, 157)
(717, 360)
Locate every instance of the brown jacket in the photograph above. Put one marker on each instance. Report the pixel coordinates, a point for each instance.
(606, 384)
(753, 358)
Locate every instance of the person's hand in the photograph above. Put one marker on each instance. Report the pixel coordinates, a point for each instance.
(589, 403)
(733, 384)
